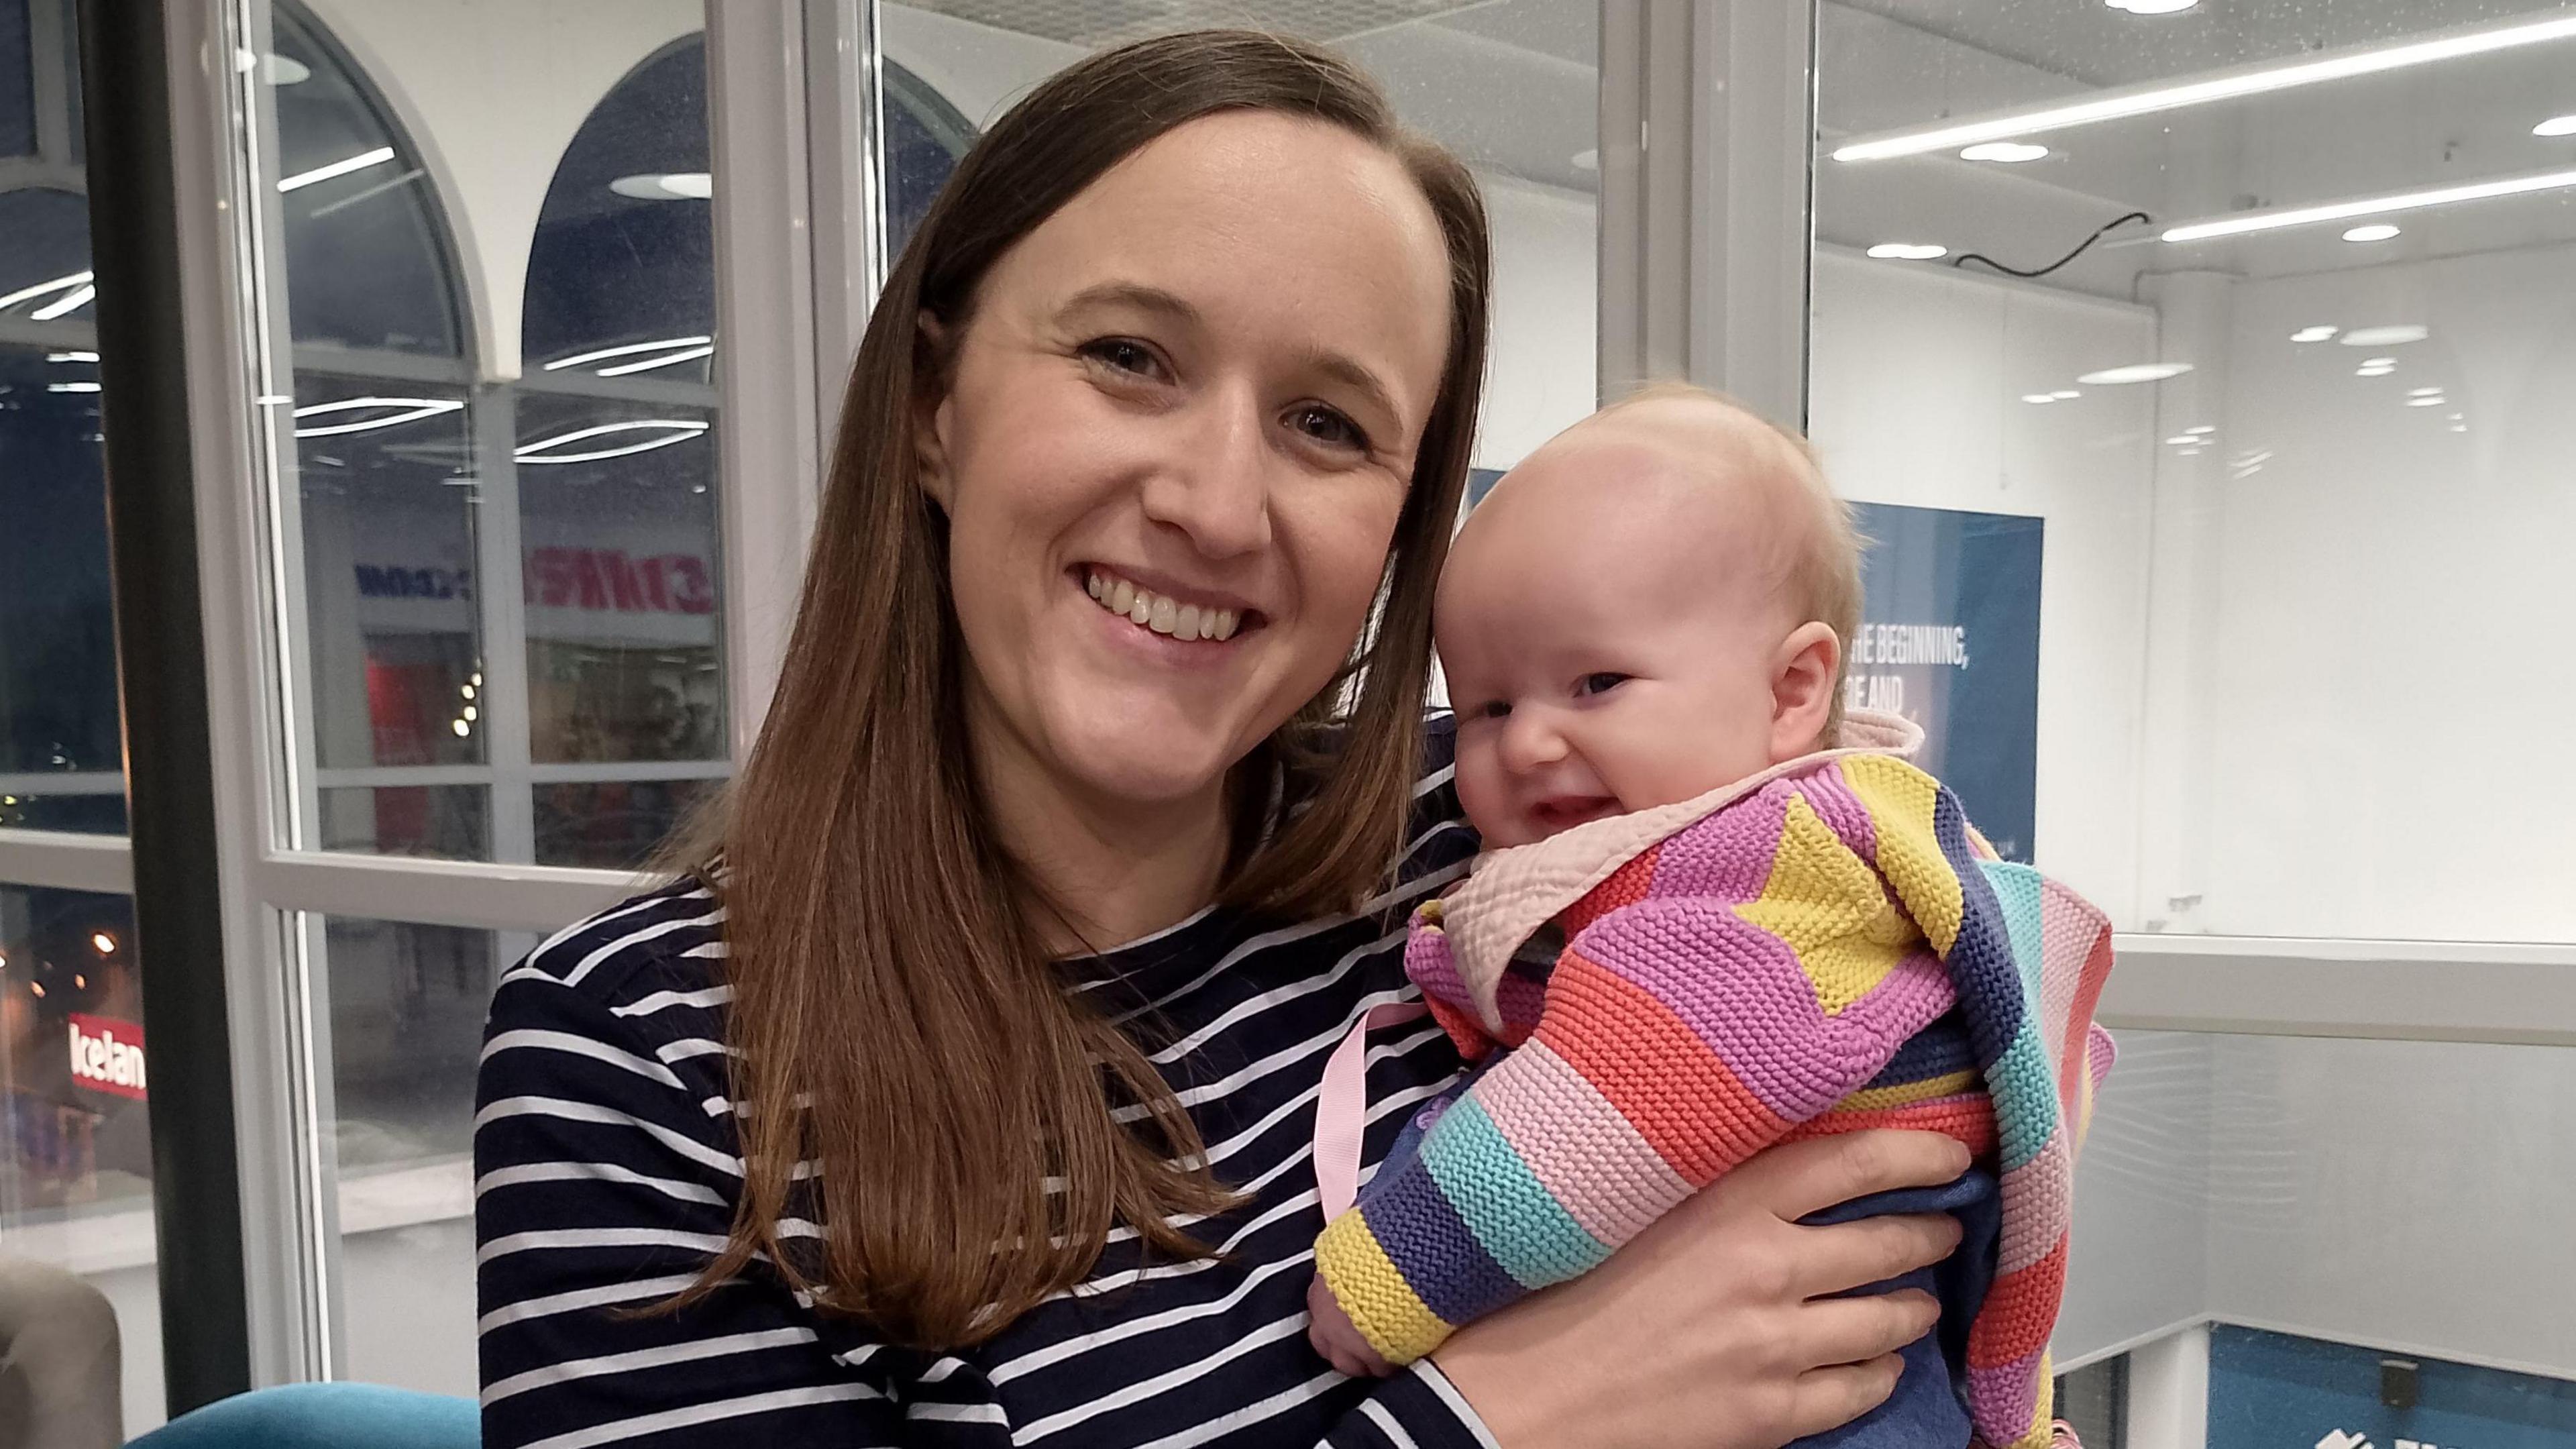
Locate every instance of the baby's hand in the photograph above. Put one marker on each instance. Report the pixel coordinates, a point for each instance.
(1338, 1339)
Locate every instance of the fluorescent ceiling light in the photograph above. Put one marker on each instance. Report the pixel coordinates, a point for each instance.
(2318, 333)
(666, 186)
(359, 162)
(1907, 251)
(2274, 218)
(624, 350)
(2202, 428)
(2378, 231)
(2226, 85)
(648, 364)
(2182, 440)
(71, 387)
(2423, 392)
(2389, 336)
(2039, 397)
(677, 430)
(407, 410)
(2010, 153)
(2556, 126)
(2151, 7)
(2065, 393)
(2135, 372)
(69, 302)
(58, 284)
(71, 357)
(2435, 401)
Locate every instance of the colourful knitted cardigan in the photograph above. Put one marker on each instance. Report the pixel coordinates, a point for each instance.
(1739, 970)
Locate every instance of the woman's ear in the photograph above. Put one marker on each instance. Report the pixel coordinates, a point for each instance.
(930, 411)
(1804, 674)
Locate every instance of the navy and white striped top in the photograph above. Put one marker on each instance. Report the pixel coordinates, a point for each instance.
(607, 1165)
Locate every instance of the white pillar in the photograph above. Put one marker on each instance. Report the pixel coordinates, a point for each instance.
(2169, 1392)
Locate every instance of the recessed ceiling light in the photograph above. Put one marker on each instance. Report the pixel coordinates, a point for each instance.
(2318, 333)
(2423, 392)
(2556, 126)
(2182, 440)
(2008, 152)
(2384, 364)
(2392, 336)
(666, 186)
(2064, 394)
(2197, 431)
(1908, 251)
(2435, 401)
(2039, 397)
(2377, 231)
(2135, 372)
(2151, 7)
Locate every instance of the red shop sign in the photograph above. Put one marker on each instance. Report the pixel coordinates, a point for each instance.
(107, 1055)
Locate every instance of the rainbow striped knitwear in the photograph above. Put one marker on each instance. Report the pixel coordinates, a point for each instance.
(1738, 971)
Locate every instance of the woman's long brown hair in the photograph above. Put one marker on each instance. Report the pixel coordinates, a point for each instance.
(912, 1075)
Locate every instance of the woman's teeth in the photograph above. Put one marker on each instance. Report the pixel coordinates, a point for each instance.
(1153, 611)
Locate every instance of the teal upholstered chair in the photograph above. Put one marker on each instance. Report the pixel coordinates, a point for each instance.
(324, 1416)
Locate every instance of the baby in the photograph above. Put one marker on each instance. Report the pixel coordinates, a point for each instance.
(1714, 914)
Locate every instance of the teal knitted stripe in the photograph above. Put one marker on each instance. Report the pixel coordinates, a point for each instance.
(1514, 1217)
(2017, 890)
(2025, 1093)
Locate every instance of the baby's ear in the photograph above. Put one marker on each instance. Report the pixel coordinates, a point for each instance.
(1804, 674)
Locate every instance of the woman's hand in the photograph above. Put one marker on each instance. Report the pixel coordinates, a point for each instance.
(1714, 1329)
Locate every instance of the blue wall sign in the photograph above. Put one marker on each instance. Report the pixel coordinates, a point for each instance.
(2276, 1391)
(1950, 639)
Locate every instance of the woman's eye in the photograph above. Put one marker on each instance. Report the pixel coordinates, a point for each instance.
(1600, 683)
(1492, 709)
(1122, 354)
(1327, 426)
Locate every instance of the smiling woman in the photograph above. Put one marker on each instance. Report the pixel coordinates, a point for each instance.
(1116, 630)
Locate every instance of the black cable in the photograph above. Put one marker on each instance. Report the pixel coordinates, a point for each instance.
(1966, 257)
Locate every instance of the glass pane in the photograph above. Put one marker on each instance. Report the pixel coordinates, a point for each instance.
(504, 409)
(624, 657)
(406, 1024)
(2288, 459)
(76, 1139)
(2365, 1199)
(61, 754)
(612, 825)
(1512, 87)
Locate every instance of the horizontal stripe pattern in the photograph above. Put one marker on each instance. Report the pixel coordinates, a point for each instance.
(607, 1167)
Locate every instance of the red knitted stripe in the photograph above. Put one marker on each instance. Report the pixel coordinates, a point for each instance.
(1463, 1028)
(1626, 886)
(2020, 1312)
(1970, 1118)
(1655, 1070)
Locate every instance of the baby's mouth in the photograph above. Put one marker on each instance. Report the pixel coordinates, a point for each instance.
(1564, 812)
(1185, 620)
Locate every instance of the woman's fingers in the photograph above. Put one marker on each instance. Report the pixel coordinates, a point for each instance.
(1799, 1178)
(1856, 1254)
(1828, 1398)
(1842, 1331)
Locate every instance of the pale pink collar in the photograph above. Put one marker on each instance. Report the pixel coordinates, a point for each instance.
(1515, 891)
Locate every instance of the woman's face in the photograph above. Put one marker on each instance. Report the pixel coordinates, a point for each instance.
(1179, 428)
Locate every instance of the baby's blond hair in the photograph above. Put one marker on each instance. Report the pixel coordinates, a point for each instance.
(1822, 578)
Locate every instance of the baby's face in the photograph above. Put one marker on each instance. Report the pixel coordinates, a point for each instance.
(1612, 628)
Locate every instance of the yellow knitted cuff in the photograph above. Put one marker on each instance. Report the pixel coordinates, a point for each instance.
(1370, 1289)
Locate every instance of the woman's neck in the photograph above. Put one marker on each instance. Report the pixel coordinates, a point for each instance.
(1109, 871)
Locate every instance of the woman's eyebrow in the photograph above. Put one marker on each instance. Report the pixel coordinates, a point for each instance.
(1131, 294)
(1356, 376)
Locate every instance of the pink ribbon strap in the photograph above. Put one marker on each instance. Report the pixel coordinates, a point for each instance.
(1341, 1110)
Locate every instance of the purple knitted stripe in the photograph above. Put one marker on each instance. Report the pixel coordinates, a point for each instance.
(1422, 1234)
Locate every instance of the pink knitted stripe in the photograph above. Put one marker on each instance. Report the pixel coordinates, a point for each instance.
(1728, 855)
(1742, 991)
(2038, 1205)
(1428, 960)
(1592, 1160)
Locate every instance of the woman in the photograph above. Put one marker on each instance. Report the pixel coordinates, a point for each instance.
(1116, 630)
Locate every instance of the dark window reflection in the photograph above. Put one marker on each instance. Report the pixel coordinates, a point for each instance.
(613, 825)
(406, 1024)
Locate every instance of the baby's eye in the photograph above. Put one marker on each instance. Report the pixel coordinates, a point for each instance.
(1600, 683)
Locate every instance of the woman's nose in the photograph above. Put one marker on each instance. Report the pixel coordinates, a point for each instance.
(1215, 485)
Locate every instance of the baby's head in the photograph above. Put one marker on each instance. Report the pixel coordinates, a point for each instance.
(1650, 606)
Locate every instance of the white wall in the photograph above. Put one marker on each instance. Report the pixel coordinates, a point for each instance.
(1916, 379)
(2391, 605)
